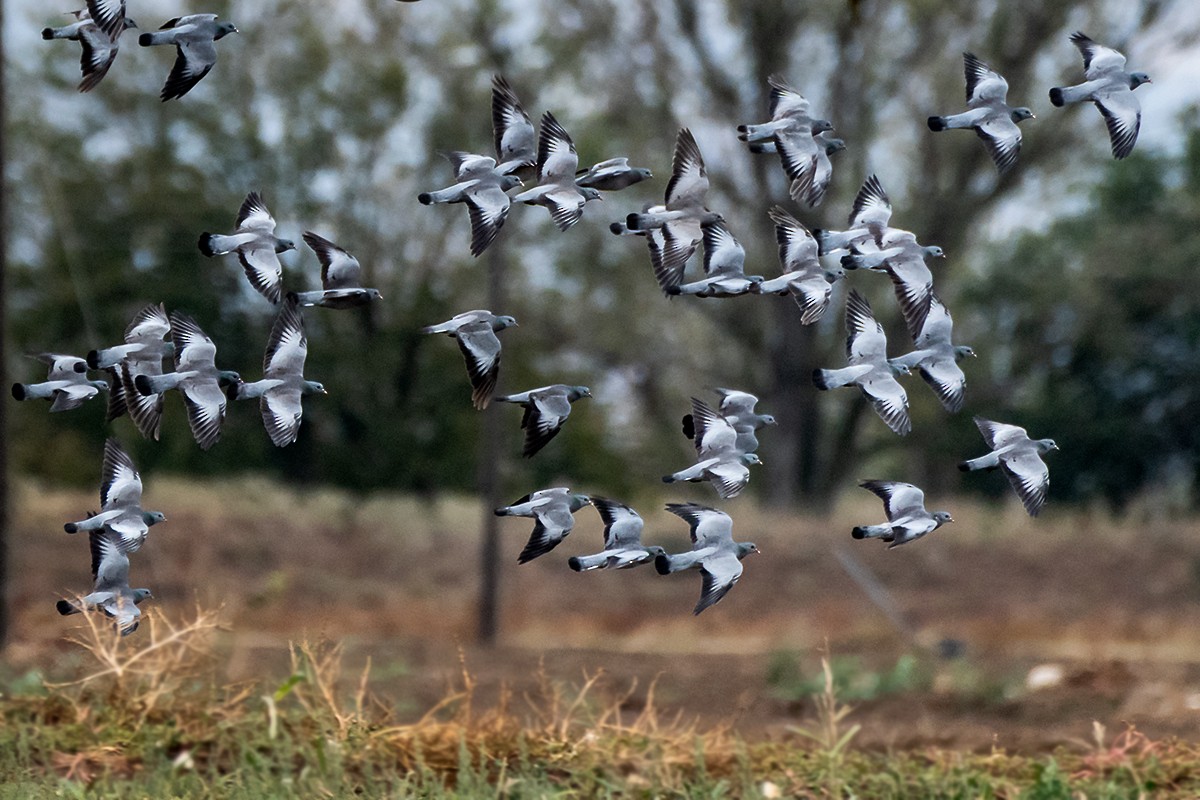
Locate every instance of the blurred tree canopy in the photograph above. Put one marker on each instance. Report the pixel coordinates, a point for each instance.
(337, 115)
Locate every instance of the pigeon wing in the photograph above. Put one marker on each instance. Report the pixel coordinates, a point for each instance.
(871, 208)
(713, 432)
(1123, 115)
(194, 59)
(515, 139)
(557, 159)
(723, 253)
(339, 269)
(688, 184)
(261, 265)
(890, 401)
(718, 575)
(481, 348)
(110, 564)
(622, 525)
(282, 409)
(1002, 138)
(785, 101)
(1029, 476)
(120, 483)
(487, 207)
(150, 325)
(898, 498)
(797, 247)
(193, 348)
(1000, 434)
(1098, 60)
(205, 404)
(985, 86)
(287, 347)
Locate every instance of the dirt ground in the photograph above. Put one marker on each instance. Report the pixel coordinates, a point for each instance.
(1104, 612)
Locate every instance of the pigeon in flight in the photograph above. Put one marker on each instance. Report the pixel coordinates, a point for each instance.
(1021, 459)
(194, 37)
(141, 354)
(808, 282)
(737, 407)
(554, 513)
(937, 357)
(512, 129)
(869, 218)
(341, 278)
(283, 386)
(66, 385)
(483, 189)
(556, 165)
(866, 351)
(714, 552)
(623, 546)
(1110, 87)
(990, 115)
(98, 35)
(724, 266)
(475, 332)
(611, 175)
(792, 133)
(257, 247)
(120, 502)
(903, 258)
(718, 459)
(907, 518)
(546, 409)
(196, 377)
(110, 589)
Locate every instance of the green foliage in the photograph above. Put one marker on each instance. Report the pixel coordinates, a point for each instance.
(851, 680)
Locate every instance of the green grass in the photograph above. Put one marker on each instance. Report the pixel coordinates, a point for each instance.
(147, 718)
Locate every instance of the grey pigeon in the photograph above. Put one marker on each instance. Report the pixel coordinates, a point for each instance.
(718, 459)
(553, 511)
(120, 502)
(937, 357)
(515, 138)
(99, 42)
(1110, 87)
(724, 266)
(869, 218)
(66, 385)
(611, 175)
(141, 354)
(475, 332)
(683, 211)
(546, 409)
(283, 386)
(811, 187)
(869, 369)
(908, 520)
(257, 247)
(482, 188)
(1021, 459)
(808, 282)
(196, 377)
(655, 242)
(737, 407)
(903, 259)
(990, 115)
(556, 166)
(623, 546)
(194, 37)
(341, 277)
(714, 552)
(790, 133)
(789, 112)
(110, 589)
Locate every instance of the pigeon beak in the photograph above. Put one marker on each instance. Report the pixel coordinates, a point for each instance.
(1033, 116)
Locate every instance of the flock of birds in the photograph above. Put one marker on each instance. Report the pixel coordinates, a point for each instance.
(724, 436)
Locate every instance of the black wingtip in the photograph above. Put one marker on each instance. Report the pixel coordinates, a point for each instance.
(937, 124)
(425, 198)
(18, 391)
(205, 244)
(63, 606)
(1056, 97)
(574, 563)
(858, 533)
(71, 527)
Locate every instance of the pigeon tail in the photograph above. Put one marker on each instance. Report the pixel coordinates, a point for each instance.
(19, 392)
(1056, 97)
(939, 123)
(587, 563)
(47, 33)
(206, 245)
(666, 563)
(871, 531)
(66, 608)
(989, 461)
(71, 527)
(425, 198)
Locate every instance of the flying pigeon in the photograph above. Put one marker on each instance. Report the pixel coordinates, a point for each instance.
(714, 552)
(623, 546)
(937, 357)
(553, 510)
(907, 518)
(789, 112)
(683, 211)
(67, 384)
(257, 247)
(556, 165)
(1021, 459)
(341, 278)
(791, 133)
(99, 41)
(990, 115)
(804, 278)
(283, 386)
(903, 258)
(1110, 87)
(737, 407)
(724, 265)
(515, 138)
(546, 409)
(110, 590)
(718, 459)
(611, 175)
(869, 217)
(482, 188)
(194, 37)
(476, 335)
(196, 377)
(141, 354)
(866, 351)
(120, 502)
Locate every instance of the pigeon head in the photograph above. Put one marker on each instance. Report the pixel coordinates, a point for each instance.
(1021, 114)
(656, 551)
(314, 387)
(226, 377)
(141, 594)
(576, 392)
(898, 367)
(100, 385)
(821, 125)
(502, 322)
(942, 517)
(590, 194)
(746, 548)
(1136, 79)
(153, 517)
(578, 501)
(642, 173)
(509, 182)
(750, 459)
(933, 251)
(834, 274)
(373, 294)
(224, 29)
(283, 245)
(963, 351)
(129, 23)
(1045, 445)
(766, 419)
(834, 145)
